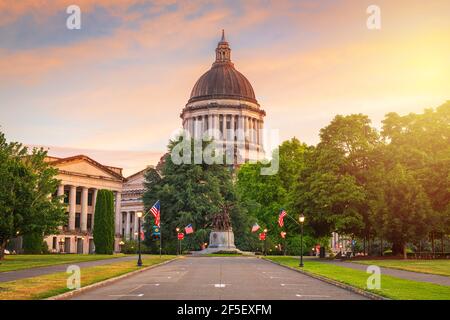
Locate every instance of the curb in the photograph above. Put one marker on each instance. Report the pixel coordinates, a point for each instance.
(361, 292)
(96, 285)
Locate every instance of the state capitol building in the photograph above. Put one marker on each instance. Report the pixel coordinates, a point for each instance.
(222, 103)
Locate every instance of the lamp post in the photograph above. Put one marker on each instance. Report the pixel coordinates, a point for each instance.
(179, 243)
(265, 242)
(301, 218)
(139, 215)
(121, 243)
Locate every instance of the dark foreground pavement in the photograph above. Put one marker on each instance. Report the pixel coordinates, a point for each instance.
(219, 278)
(40, 271)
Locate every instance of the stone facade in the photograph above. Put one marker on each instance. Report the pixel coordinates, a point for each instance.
(132, 192)
(81, 177)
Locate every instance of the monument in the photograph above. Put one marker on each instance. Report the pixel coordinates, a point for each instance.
(221, 238)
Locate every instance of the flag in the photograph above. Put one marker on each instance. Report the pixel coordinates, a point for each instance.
(255, 227)
(283, 234)
(142, 235)
(188, 229)
(156, 212)
(281, 218)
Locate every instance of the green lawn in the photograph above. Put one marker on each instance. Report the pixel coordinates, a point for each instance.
(53, 284)
(19, 262)
(440, 267)
(391, 287)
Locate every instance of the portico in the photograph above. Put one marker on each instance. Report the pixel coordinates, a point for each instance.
(80, 179)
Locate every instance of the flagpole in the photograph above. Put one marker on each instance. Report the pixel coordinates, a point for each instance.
(160, 235)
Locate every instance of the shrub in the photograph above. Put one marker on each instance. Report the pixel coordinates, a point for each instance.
(104, 223)
(32, 243)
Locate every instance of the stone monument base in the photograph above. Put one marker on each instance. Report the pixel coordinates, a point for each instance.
(220, 241)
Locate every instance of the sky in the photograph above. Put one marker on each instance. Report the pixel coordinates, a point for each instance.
(114, 89)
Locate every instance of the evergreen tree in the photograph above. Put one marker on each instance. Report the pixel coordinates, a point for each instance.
(104, 222)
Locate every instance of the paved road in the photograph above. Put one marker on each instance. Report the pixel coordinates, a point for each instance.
(219, 278)
(409, 275)
(40, 271)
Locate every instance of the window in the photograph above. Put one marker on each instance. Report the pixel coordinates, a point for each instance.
(54, 243)
(66, 196)
(90, 196)
(77, 220)
(78, 197)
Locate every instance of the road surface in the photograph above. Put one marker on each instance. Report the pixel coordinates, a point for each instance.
(219, 278)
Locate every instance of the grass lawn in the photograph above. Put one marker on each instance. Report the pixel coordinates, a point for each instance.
(22, 261)
(53, 284)
(391, 287)
(440, 267)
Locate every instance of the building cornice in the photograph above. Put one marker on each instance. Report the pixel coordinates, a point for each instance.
(215, 105)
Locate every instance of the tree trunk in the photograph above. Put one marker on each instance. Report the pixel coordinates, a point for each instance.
(405, 255)
(2, 249)
(397, 248)
(381, 246)
(442, 244)
(364, 246)
(432, 244)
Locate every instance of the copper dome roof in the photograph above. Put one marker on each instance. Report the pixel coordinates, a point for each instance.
(222, 81)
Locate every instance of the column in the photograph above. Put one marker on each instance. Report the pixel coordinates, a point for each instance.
(135, 228)
(246, 130)
(232, 133)
(257, 130)
(94, 203)
(261, 135)
(210, 125)
(216, 126)
(84, 209)
(224, 127)
(127, 225)
(60, 191)
(72, 207)
(118, 208)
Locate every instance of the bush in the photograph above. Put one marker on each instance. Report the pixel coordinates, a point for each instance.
(104, 223)
(32, 243)
(44, 248)
(131, 247)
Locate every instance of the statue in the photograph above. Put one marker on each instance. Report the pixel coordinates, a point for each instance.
(221, 221)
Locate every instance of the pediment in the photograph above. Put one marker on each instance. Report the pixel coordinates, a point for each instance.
(86, 167)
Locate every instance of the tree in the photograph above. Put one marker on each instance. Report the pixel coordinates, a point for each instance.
(331, 188)
(263, 196)
(403, 209)
(27, 182)
(189, 194)
(421, 143)
(104, 222)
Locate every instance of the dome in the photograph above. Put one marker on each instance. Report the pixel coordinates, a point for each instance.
(223, 81)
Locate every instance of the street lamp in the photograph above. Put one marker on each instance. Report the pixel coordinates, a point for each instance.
(301, 218)
(265, 242)
(179, 241)
(61, 245)
(139, 215)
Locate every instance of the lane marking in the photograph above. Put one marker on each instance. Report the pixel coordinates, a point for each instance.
(292, 284)
(220, 285)
(127, 295)
(311, 296)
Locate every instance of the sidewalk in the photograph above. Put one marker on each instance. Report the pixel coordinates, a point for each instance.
(39, 271)
(408, 275)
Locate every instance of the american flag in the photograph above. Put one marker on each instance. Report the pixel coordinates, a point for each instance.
(255, 227)
(281, 218)
(283, 234)
(156, 212)
(189, 229)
